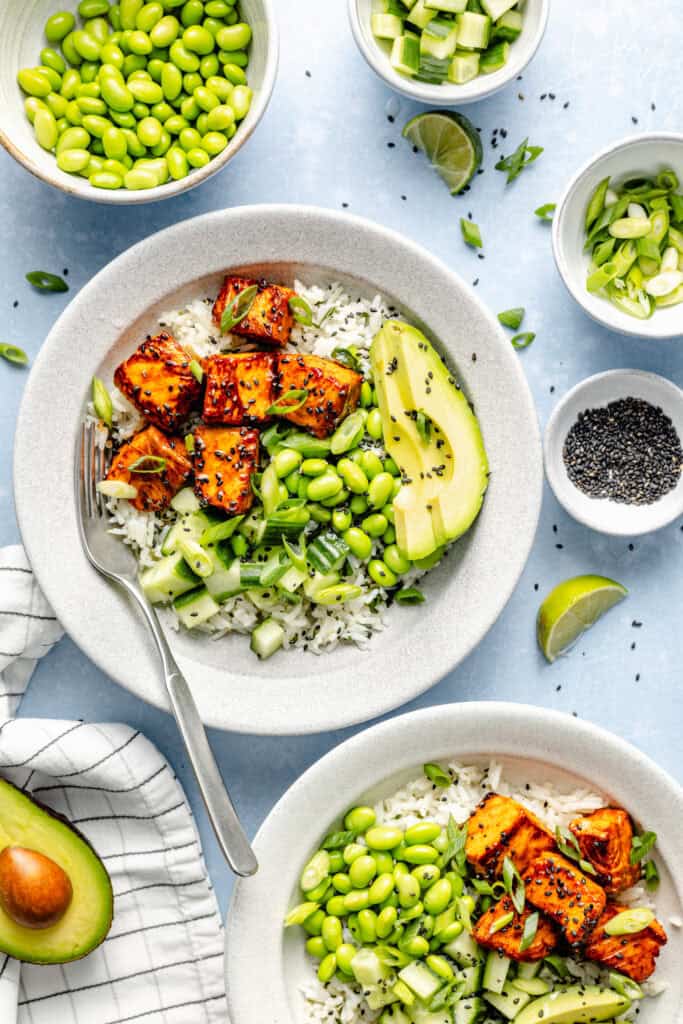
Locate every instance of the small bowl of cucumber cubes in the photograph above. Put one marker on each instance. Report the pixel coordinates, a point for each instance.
(618, 236)
(444, 52)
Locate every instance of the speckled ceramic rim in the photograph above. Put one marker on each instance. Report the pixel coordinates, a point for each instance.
(373, 764)
(448, 95)
(646, 518)
(293, 692)
(76, 186)
(617, 321)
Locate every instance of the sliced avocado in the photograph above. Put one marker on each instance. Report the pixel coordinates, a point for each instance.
(575, 1005)
(83, 924)
(433, 436)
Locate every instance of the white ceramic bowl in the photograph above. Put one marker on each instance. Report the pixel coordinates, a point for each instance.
(266, 967)
(294, 691)
(603, 514)
(646, 154)
(21, 40)
(448, 94)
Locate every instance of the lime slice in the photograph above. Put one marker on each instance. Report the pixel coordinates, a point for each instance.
(571, 608)
(450, 141)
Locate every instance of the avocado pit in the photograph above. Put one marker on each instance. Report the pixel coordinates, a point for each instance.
(35, 892)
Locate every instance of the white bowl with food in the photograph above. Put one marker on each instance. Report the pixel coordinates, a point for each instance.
(620, 256)
(533, 860)
(139, 128)
(216, 452)
(442, 53)
(613, 452)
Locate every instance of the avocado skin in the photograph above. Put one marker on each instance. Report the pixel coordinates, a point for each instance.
(578, 1004)
(28, 949)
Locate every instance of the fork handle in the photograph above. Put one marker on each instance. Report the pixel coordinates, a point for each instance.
(226, 825)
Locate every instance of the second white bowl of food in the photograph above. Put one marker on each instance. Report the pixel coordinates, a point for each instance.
(22, 45)
(519, 42)
(638, 157)
(426, 767)
(628, 479)
(356, 275)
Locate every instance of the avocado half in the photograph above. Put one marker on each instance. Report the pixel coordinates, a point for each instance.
(433, 436)
(25, 822)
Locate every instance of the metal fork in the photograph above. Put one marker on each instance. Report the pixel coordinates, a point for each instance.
(116, 562)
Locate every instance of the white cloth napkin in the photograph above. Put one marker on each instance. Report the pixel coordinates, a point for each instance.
(163, 959)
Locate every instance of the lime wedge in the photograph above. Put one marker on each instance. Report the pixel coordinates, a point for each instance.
(450, 141)
(571, 608)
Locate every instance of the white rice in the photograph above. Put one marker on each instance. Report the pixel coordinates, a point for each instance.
(341, 320)
(420, 800)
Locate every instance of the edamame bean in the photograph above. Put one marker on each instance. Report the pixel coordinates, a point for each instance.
(53, 78)
(149, 131)
(335, 906)
(353, 476)
(345, 954)
(31, 105)
(366, 394)
(384, 577)
(114, 142)
(45, 127)
(175, 124)
(72, 55)
(314, 467)
(375, 524)
(171, 81)
(138, 178)
(327, 968)
(286, 461)
(355, 901)
(89, 89)
(381, 888)
(384, 837)
(192, 12)
(91, 105)
(70, 82)
(342, 882)
(426, 874)
(438, 896)
(320, 515)
(314, 922)
(325, 486)
(73, 161)
(341, 520)
(162, 111)
(440, 966)
(177, 163)
(234, 37)
(316, 947)
(199, 40)
(58, 26)
(359, 542)
(380, 489)
(216, 8)
(145, 90)
(451, 932)
(367, 925)
(56, 103)
(85, 45)
(340, 498)
(395, 560)
(315, 871)
(373, 424)
(106, 180)
(155, 68)
(331, 933)
(149, 16)
(98, 28)
(165, 31)
(49, 58)
(336, 861)
(111, 56)
(139, 43)
(389, 535)
(132, 63)
(234, 74)
(220, 118)
(420, 853)
(358, 505)
(34, 82)
(133, 144)
(114, 167)
(386, 921)
(206, 100)
(408, 891)
(128, 12)
(371, 464)
(93, 8)
(95, 124)
(362, 871)
(73, 113)
(352, 851)
(240, 100)
(383, 860)
(209, 66)
(201, 125)
(182, 57)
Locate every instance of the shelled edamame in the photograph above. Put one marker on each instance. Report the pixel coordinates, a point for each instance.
(140, 93)
(634, 233)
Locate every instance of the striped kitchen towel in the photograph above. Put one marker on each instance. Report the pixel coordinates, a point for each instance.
(162, 962)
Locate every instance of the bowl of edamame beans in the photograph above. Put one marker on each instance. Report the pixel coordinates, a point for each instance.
(132, 101)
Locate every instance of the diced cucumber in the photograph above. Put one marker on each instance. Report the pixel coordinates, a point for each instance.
(509, 1002)
(195, 607)
(421, 980)
(196, 557)
(224, 581)
(189, 527)
(318, 582)
(464, 950)
(495, 971)
(405, 55)
(497, 8)
(253, 528)
(389, 7)
(494, 58)
(267, 638)
(509, 27)
(529, 970)
(386, 26)
(292, 580)
(469, 1011)
(474, 31)
(377, 996)
(185, 501)
(395, 1014)
(532, 986)
(470, 979)
(408, 3)
(368, 969)
(420, 14)
(421, 1015)
(452, 6)
(463, 68)
(167, 579)
(439, 39)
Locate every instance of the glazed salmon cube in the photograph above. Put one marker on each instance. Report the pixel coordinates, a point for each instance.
(333, 391)
(501, 827)
(508, 939)
(605, 839)
(155, 490)
(225, 459)
(562, 891)
(633, 955)
(269, 318)
(240, 388)
(158, 380)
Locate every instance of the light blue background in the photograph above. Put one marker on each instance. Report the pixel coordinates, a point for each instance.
(326, 139)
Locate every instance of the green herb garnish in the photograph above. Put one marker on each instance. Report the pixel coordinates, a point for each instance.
(410, 595)
(424, 425)
(148, 464)
(641, 846)
(471, 233)
(529, 932)
(436, 774)
(337, 840)
(238, 308)
(522, 340)
(502, 922)
(289, 402)
(512, 318)
(651, 876)
(346, 356)
(13, 354)
(546, 212)
(46, 282)
(517, 161)
(301, 311)
(568, 845)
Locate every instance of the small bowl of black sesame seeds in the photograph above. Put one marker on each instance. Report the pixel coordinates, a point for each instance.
(613, 452)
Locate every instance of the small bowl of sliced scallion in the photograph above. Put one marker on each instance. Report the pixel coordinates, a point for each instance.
(618, 236)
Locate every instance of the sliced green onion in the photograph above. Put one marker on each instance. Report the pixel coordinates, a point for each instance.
(347, 356)
(331, 311)
(546, 211)
(625, 986)
(529, 931)
(274, 569)
(338, 840)
(517, 161)
(117, 489)
(522, 340)
(296, 557)
(424, 425)
(189, 443)
(512, 318)
(274, 436)
(238, 308)
(629, 922)
(148, 464)
(301, 311)
(436, 774)
(596, 203)
(641, 846)
(676, 203)
(558, 965)
(13, 354)
(667, 179)
(196, 557)
(310, 447)
(196, 370)
(514, 885)
(568, 844)
(455, 850)
(410, 595)
(270, 490)
(326, 552)
(101, 400)
(502, 922)
(286, 522)
(219, 531)
(289, 402)
(471, 233)
(46, 282)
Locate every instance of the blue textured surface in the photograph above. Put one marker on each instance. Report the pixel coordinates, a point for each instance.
(327, 139)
